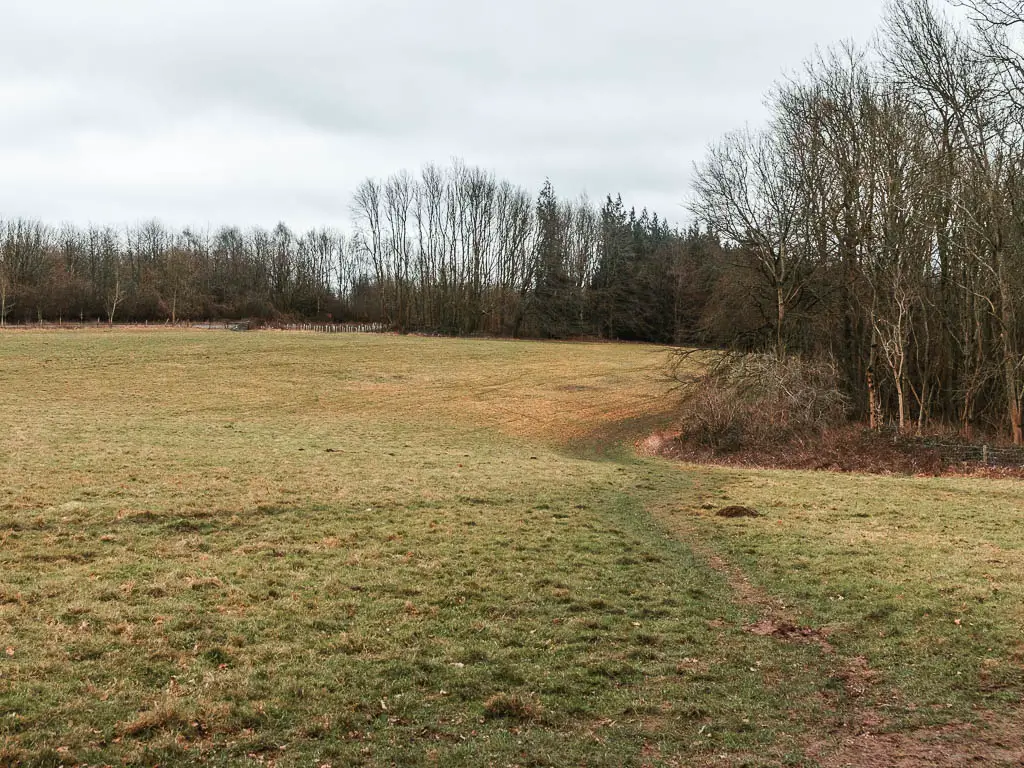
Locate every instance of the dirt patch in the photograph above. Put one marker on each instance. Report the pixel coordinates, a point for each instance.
(781, 629)
(776, 621)
(737, 511)
(857, 676)
(951, 746)
(657, 444)
(746, 593)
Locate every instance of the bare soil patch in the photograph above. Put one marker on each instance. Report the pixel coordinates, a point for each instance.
(776, 620)
(787, 631)
(953, 746)
(737, 511)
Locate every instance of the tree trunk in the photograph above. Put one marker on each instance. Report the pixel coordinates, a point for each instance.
(780, 347)
(901, 398)
(1015, 423)
(872, 400)
(1013, 401)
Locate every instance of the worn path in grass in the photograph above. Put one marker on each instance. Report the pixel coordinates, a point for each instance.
(912, 586)
(292, 549)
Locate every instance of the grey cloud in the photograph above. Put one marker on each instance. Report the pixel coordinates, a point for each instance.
(598, 95)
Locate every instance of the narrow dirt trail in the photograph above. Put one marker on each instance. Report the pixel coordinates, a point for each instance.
(862, 741)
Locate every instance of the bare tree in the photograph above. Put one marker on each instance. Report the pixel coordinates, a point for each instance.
(6, 285)
(1000, 43)
(744, 192)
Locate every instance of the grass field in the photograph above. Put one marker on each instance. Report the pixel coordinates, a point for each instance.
(290, 549)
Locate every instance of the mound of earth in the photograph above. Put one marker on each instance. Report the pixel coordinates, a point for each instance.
(737, 511)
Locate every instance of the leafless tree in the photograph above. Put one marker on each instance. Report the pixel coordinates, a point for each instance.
(744, 191)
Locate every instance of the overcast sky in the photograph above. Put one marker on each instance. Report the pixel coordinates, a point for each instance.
(203, 112)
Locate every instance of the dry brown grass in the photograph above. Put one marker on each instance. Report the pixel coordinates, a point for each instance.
(150, 420)
(292, 549)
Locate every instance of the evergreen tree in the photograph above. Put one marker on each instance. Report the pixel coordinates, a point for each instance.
(553, 298)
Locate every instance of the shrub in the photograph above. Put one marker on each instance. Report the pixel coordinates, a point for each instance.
(737, 400)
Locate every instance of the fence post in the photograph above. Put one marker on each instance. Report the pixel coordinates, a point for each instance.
(984, 455)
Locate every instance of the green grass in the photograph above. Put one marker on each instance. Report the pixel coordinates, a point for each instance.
(922, 576)
(290, 549)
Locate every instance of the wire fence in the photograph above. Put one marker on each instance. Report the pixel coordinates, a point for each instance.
(208, 325)
(958, 451)
(333, 327)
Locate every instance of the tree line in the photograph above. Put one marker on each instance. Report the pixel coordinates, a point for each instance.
(877, 221)
(456, 250)
(149, 272)
(451, 250)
